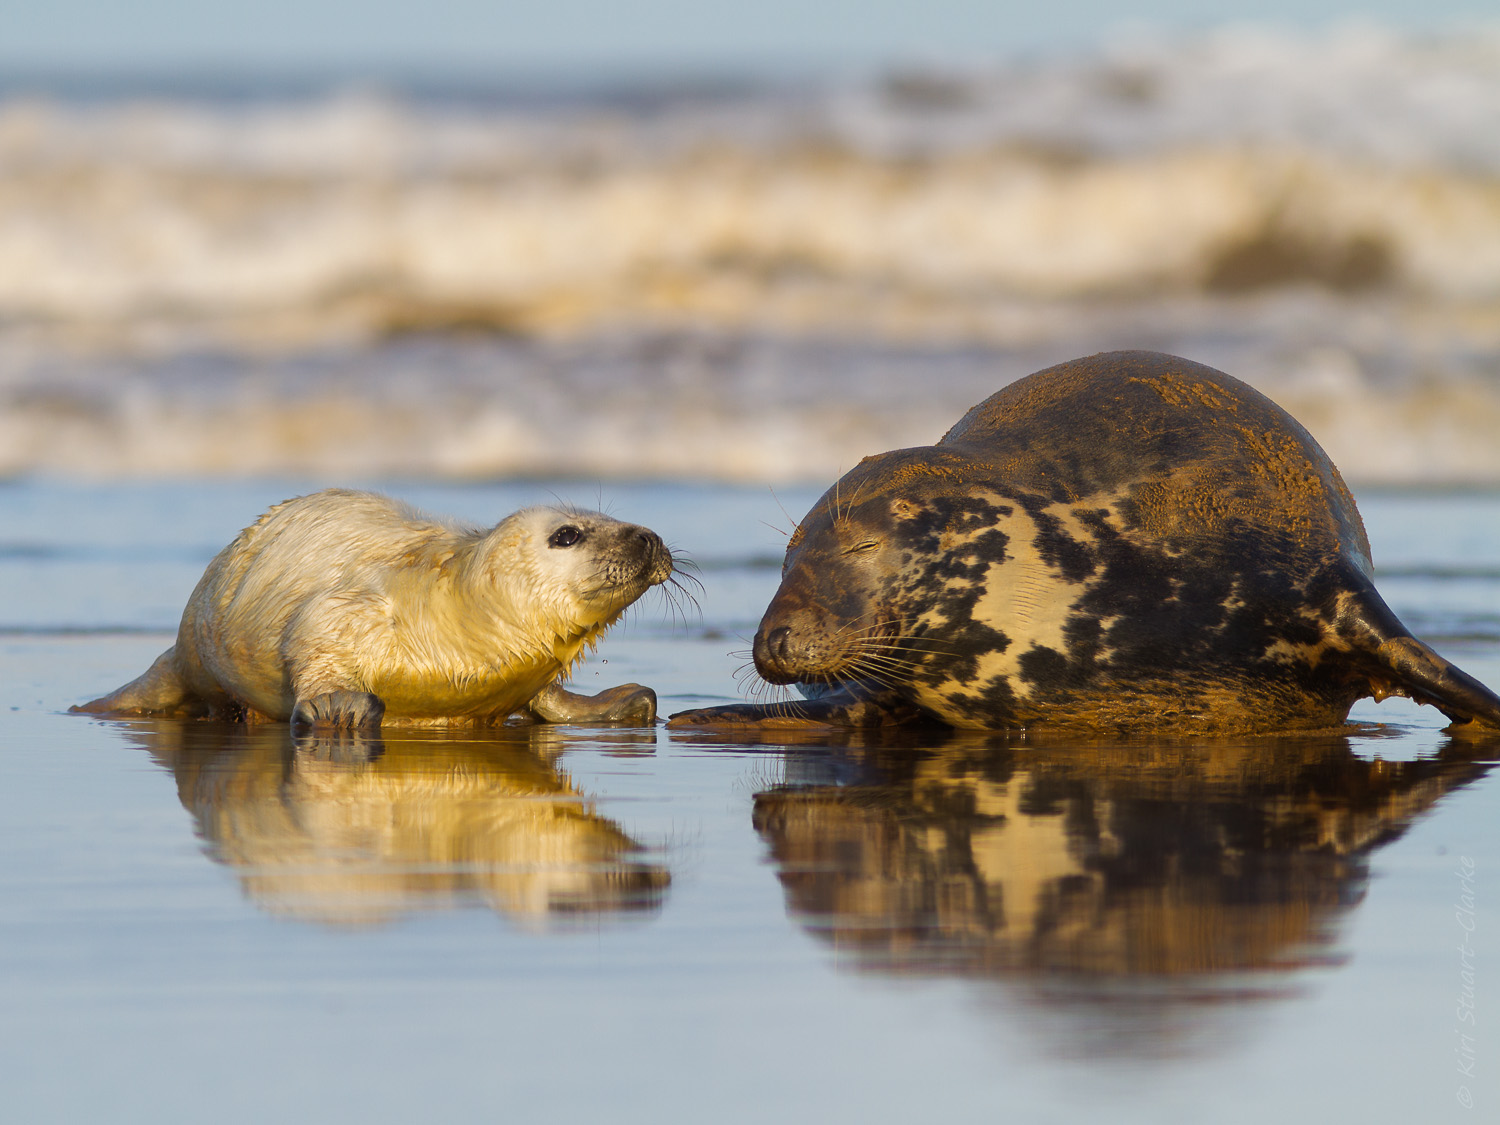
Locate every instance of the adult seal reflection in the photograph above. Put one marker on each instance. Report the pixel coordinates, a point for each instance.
(349, 609)
(1110, 862)
(1127, 543)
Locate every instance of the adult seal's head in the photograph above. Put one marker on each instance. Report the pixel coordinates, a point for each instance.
(346, 608)
(1130, 542)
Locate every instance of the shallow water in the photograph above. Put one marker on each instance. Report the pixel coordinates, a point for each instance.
(201, 921)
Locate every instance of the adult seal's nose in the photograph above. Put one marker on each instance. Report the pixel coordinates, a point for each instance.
(772, 659)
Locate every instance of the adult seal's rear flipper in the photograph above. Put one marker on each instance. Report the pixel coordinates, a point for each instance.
(1396, 663)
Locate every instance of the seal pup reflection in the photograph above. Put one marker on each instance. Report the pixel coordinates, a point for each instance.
(1127, 543)
(349, 609)
(347, 829)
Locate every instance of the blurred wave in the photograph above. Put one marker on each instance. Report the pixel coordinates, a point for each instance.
(764, 282)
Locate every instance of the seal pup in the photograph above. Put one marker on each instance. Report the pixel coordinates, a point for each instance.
(1131, 542)
(346, 608)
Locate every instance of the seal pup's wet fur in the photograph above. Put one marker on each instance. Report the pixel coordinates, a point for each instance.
(347, 609)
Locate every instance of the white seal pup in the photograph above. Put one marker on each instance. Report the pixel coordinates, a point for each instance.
(347, 609)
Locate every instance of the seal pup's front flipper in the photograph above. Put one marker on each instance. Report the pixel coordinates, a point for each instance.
(1396, 663)
(338, 709)
(159, 690)
(628, 703)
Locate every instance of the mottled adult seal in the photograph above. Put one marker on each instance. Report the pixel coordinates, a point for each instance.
(341, 607)
(1129, 542)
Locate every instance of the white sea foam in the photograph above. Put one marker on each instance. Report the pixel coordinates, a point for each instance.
(762, 286)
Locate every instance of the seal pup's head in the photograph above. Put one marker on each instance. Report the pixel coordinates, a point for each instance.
(583, 567)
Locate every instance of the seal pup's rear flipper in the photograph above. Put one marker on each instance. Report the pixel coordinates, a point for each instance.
(158, 690)
(1396, 663)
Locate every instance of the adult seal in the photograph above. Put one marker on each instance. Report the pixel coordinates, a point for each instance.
(346, 609)
(1126, 543)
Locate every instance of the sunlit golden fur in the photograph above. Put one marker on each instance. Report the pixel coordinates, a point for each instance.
(351, 592)
(353, 831)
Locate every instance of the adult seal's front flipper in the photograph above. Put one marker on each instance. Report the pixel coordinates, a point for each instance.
(1396, 663)
(846, 707)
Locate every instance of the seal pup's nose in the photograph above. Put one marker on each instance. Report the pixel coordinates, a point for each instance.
(653, 553)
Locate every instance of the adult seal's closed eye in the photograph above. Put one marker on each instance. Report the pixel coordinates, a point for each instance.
(346, 609)
(1129, 542)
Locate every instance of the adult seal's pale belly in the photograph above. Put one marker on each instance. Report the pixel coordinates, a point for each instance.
(347, 609)
(1129, 542)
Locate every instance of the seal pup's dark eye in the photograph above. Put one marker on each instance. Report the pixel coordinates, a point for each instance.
(565, 536)
(861, 548)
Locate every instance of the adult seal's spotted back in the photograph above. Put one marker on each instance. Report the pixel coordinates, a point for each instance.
(1131, 542)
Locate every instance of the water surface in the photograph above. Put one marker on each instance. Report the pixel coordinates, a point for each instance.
(201, 920)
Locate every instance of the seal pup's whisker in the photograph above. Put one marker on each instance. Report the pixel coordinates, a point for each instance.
(675, 589)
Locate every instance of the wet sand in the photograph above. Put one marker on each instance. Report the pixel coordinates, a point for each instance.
(200, 920)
